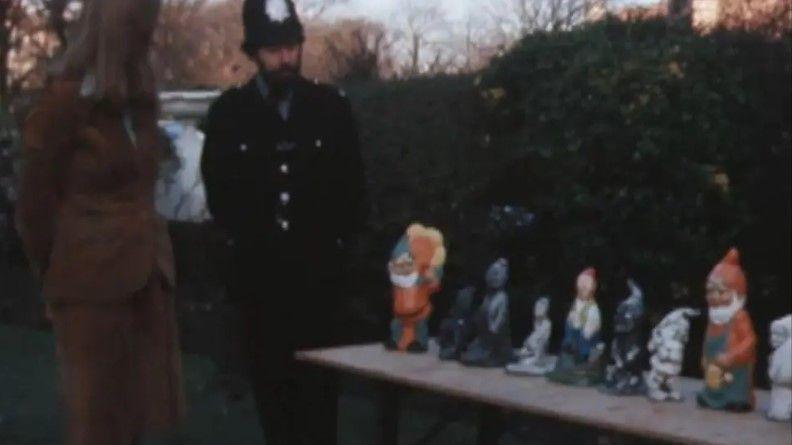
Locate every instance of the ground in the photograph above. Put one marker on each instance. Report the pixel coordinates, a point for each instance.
(29, 412)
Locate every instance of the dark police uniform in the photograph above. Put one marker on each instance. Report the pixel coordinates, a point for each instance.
(284, 181)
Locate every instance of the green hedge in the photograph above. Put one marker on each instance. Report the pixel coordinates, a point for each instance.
(648, 151)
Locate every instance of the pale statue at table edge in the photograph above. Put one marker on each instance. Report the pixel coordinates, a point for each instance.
(534, 360)
(416, 272)
(780, 370)
(580, 360)
(667, 345)
(624, 373)
(491, 346)
(729, 352)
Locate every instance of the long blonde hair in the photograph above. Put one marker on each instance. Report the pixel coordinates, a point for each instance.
(111, 43)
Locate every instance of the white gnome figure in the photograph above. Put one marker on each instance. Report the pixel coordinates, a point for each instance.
(536, 343)
(533, 358)
(667, 346)
(780, 370)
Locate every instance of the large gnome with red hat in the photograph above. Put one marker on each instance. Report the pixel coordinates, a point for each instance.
(729, 353)
(580, 362)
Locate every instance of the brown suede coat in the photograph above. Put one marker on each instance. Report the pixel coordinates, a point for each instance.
(87, 219)
(86, 211)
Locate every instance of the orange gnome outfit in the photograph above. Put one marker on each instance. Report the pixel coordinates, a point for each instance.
(415, 272)
(729, 353)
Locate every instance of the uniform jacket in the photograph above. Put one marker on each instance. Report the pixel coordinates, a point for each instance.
(86, 210)
(284, 187)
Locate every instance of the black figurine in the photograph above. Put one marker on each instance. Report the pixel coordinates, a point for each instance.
(456, 330)
(492, 345)
(624, 375)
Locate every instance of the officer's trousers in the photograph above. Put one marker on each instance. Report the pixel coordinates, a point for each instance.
(284, 312)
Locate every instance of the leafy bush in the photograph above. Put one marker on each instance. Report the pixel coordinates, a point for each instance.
(649, 151)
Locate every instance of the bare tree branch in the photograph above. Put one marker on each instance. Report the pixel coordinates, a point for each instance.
(313, 10)
(422, 32)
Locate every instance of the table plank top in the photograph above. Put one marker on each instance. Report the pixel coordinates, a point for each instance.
(680, 422)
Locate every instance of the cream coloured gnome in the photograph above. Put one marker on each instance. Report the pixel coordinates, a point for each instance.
(534, 360)
(580, 362)
(780, 370)
(582, 334)
(536, 343)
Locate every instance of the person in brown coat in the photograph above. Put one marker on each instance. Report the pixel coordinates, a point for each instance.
(87, 220)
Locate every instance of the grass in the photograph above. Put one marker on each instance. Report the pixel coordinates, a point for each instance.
(30, 415)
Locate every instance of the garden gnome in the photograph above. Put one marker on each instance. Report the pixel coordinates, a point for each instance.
(416, 270)
(456, 329)
(667, 346)
(780, 370)
(624, 375)
(492, 344)
(580, 361)
(534, 360)
(729, 353)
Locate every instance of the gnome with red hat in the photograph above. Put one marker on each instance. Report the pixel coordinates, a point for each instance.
(580, 361)
(729, 353)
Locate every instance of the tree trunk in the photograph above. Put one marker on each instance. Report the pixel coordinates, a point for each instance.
(416, 54)
(4, 42)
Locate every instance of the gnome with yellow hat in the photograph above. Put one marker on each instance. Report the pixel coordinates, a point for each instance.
(416, 271)
(729, 353)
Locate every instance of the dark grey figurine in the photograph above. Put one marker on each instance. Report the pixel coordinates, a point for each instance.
(456, 330)
(624, 375)
(492, 344)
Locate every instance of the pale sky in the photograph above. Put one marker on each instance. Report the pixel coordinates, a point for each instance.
(385, 9)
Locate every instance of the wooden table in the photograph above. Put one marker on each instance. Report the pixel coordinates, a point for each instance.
(493, 388)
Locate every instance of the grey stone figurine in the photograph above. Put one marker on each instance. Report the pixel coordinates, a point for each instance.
(456, 329)
(492, 344)
(624, 374)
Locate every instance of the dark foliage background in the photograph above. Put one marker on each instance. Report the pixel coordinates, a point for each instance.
(634, 147)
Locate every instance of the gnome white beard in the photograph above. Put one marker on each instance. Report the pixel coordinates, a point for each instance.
(723, 314)
(404, 281)
(277, 10)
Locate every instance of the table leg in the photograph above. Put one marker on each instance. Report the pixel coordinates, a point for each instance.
(389, 415)
(450, 416)
(491, 425)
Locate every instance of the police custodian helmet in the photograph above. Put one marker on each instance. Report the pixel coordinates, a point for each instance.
(270, 23)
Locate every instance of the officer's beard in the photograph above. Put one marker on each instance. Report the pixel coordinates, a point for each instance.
(282, 80)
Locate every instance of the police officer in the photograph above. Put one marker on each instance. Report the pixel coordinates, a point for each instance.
(284, 181)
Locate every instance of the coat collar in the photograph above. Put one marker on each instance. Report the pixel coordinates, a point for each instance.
(257, 88)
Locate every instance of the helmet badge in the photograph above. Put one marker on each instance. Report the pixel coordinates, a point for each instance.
(276, 10)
